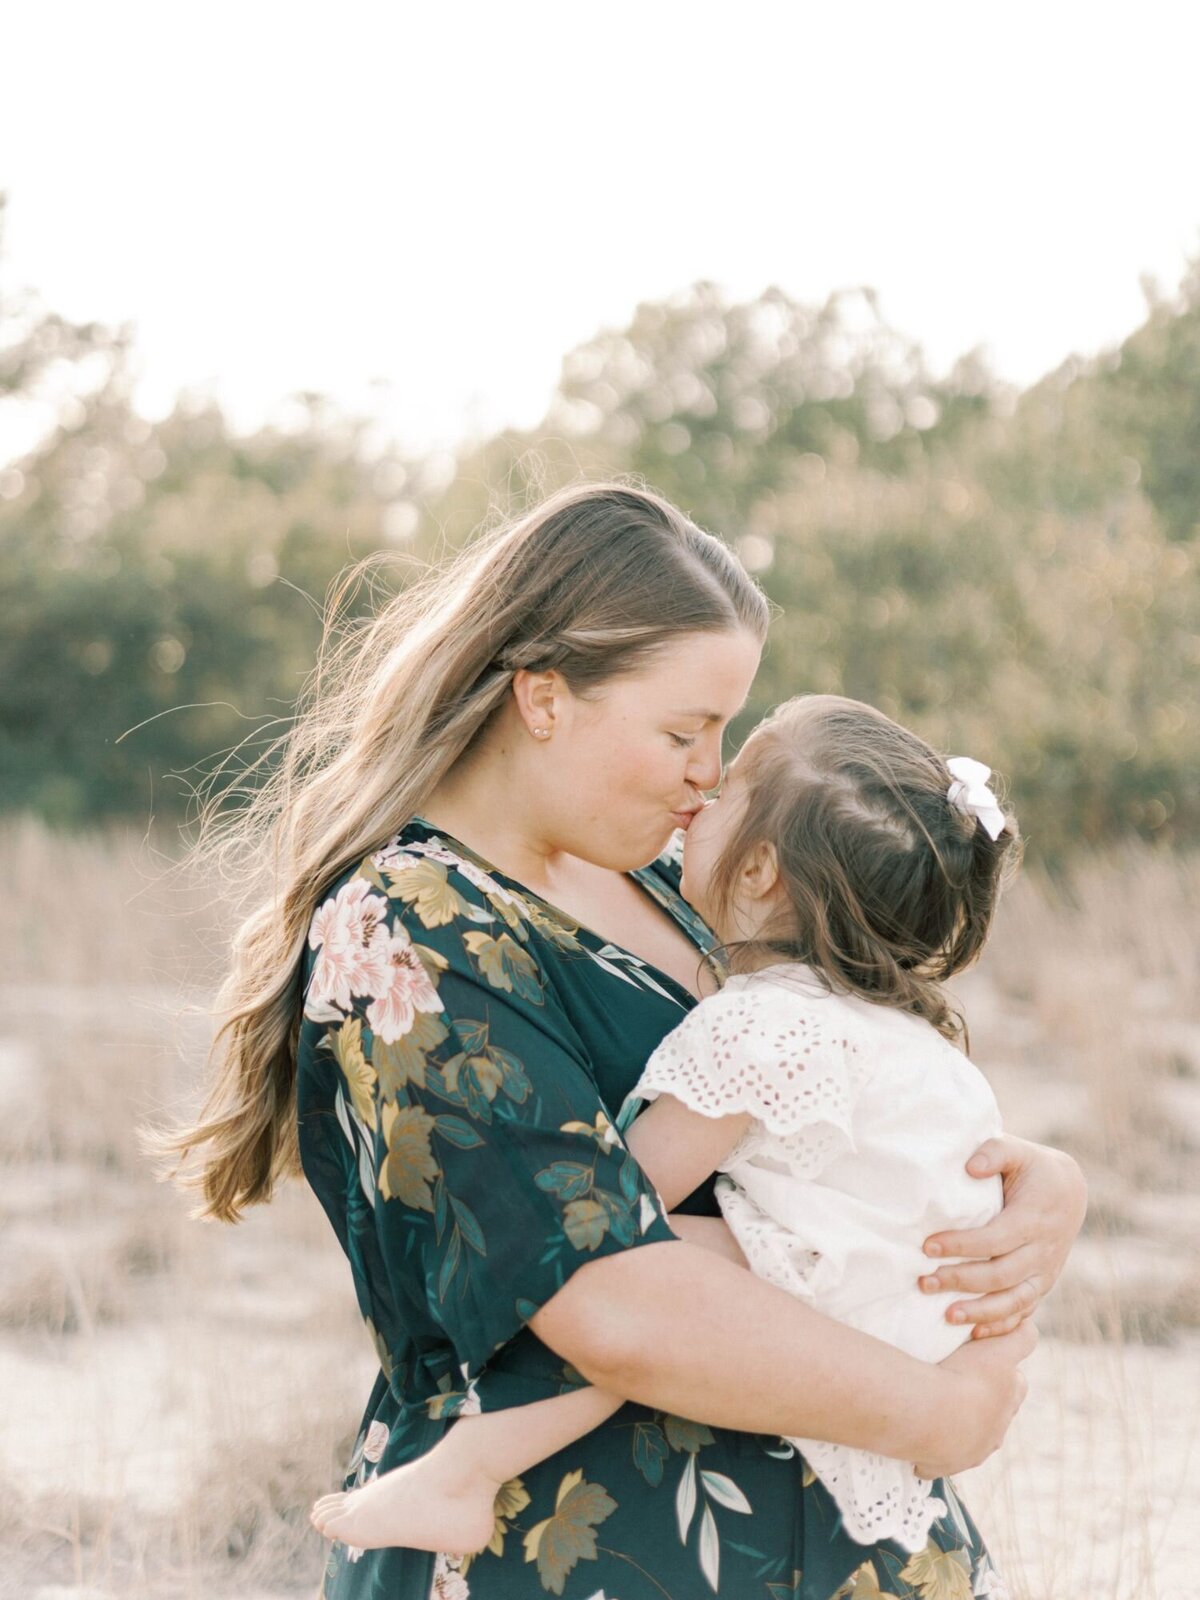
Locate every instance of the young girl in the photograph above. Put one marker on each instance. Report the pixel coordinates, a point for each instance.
(847, 870)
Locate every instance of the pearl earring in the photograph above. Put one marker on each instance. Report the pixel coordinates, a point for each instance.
(541, 733)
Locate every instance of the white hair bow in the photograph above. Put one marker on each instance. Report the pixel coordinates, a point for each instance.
(970, 793)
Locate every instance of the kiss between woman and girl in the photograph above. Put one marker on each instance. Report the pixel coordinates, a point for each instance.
(847, 869)
(476, 1012)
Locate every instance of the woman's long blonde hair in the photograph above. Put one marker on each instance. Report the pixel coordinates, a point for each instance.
(588, 582)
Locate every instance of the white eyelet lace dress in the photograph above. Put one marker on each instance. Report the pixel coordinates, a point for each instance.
(864, 1119)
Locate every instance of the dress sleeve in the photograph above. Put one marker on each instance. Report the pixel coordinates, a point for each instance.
(487, 1153)
(770, 1051)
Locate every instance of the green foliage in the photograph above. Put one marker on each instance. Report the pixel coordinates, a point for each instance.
(162, 585)
(140, 567)
(1148, 396)
(1017, 575)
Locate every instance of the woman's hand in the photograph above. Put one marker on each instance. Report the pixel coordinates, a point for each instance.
(990, 1387)
(1020, 1253)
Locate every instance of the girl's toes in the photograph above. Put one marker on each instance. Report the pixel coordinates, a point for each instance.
(337, 1526)
(326, 1508)
(328, 1526)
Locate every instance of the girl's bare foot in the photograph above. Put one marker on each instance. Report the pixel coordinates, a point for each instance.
(412, 1505)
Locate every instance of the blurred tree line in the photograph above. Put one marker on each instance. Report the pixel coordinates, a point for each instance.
(1016, 573)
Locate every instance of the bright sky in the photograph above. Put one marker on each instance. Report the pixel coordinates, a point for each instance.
(418, 209)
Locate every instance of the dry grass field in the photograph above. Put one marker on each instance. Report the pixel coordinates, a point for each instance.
(176, 1393)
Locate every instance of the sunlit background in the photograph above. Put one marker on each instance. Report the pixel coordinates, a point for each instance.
(903, 302)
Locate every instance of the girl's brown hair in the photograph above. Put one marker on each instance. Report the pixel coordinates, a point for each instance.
(890, 887)
(591, 581)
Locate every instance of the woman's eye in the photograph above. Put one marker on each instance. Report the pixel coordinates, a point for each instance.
(684, 741)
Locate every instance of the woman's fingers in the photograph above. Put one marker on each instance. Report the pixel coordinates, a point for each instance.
(995, 1389)
(984, 1277)
(1006, 1349)
(1019, 1344)
(1009, 1306)
(1013, 1260)
(997, 1330)
(1004, 1154)
(995, 1238)
(1007, 1289)
(1045, 1200)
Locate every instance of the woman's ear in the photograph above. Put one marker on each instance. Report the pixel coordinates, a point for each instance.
(760, 872)
(539, 697)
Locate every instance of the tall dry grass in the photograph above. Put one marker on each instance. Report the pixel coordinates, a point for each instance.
(179, 1392)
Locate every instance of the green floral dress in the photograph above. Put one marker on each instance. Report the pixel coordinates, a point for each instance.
(464, 1053)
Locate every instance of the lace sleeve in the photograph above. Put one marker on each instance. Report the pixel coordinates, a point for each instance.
(763, 1049)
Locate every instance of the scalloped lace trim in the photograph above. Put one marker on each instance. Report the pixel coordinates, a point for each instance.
(747, 1050)
(878, 1496)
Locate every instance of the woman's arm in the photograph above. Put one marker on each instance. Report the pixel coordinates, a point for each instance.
(492, 1445)
(678, 1148)
(1017, 1257)
(488, 1158)
(670, 1327)
(1020, 1253)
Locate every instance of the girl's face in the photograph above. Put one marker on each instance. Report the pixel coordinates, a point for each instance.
(629, 765)
(708, 836)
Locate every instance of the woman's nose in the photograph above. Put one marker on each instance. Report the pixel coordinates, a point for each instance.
(705, 771)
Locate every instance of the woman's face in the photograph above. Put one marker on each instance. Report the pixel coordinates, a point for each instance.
(627, 766)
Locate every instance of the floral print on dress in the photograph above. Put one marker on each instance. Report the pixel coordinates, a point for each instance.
(346, 932)
(462, 1046)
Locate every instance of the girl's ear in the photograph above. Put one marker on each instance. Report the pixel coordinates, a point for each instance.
(760, 872)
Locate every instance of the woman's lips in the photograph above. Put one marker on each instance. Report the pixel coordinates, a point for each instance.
(683, 819)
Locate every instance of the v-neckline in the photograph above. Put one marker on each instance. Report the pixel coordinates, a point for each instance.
(685, 918)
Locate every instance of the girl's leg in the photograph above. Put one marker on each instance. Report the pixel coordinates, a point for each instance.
(444, 1500)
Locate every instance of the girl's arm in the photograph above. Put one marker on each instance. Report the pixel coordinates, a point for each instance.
(678, 1148)
(710, 1233)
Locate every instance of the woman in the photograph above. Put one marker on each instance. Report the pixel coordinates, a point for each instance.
(473, 910)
